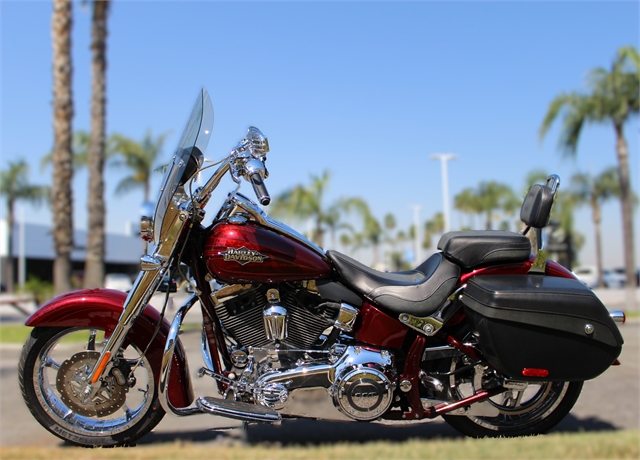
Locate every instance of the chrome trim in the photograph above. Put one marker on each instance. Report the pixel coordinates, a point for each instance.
(314, 390)
(553, 182)
(346, 317)
(167, 358)
(618, 316)
(237, 410)
(428, 325)
(144, 286)
(430, 382)
(274, 318)
(150, 263)
(206, 351)
(202, 194)
(146, 228)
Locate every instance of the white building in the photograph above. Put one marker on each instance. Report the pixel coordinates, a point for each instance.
(34, 244)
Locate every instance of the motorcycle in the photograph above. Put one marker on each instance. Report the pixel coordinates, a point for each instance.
(496, 340)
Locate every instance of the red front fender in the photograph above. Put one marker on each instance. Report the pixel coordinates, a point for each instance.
(101, 308)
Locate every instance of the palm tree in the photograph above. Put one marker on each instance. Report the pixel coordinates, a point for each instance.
(594, 192)
(372, 235)
(306, 202)
(486, 198)
(62, 156)
(14, 185)
(432, 227)
(612, 99)
(494, 196)
(140, 157)
(94, 263)
(467, 202)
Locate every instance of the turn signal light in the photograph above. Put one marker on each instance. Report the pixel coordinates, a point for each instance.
(534, 372)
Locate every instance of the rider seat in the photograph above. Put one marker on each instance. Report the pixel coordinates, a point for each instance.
(419, 292)
(477, 247)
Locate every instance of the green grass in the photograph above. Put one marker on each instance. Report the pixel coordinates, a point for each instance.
(18, 334)
(14, 333)
(618, 444)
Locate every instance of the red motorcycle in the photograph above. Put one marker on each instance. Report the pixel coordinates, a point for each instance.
(494, 339)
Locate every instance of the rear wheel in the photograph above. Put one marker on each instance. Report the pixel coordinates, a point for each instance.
(54, 365)
(527, 409)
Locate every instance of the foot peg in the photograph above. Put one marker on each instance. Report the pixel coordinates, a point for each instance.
(237, 410)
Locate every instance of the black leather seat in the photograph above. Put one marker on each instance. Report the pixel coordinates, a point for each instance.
(419, 292)
(470, 249)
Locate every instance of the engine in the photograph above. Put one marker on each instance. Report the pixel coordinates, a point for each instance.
(281, 361)
(292, 316)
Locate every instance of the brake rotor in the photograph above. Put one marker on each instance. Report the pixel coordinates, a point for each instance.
(72, 379)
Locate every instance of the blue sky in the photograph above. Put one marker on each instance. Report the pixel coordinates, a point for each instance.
(366, 90)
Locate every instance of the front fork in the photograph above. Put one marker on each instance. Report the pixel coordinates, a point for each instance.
(149, 278)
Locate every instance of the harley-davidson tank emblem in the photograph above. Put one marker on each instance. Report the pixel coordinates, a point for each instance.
(243, 256)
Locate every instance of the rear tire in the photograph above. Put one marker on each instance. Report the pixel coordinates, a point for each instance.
(540, 412)
(50, 371)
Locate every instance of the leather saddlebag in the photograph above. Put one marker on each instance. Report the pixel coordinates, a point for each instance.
(534, 327)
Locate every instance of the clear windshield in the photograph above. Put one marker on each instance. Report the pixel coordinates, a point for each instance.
(188, 156)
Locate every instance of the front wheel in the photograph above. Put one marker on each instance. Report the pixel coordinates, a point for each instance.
(534, 410)
(53, 366)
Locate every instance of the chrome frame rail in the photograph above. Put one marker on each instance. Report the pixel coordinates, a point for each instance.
(167, 357)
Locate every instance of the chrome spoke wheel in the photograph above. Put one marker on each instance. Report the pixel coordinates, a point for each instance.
(55, 367)
(528, 408)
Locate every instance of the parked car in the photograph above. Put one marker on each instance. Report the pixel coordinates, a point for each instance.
(613, 279)
(168, 284)
(589, 276)
(118, 281)
(621, 271)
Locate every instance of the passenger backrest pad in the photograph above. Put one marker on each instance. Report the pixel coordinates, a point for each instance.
(536, 207)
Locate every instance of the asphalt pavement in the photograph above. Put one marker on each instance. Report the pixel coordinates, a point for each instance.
(607, 403)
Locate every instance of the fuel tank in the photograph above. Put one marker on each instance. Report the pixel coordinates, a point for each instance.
(252, 253)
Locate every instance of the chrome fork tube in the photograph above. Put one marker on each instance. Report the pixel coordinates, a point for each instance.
(167, 357)
(138, 298)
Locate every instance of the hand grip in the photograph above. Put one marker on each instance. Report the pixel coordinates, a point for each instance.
(261, 190)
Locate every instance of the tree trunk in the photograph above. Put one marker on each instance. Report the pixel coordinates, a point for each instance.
(94, 264)
(626, 199)
(62, 156)
(597, 219)
(9, 264)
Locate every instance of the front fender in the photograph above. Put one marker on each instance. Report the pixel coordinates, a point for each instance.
(101, 308)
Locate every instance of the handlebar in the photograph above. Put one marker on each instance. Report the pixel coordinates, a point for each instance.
(245, 161)
(260, 189)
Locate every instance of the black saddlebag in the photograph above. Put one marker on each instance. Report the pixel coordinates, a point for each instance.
(533, 327)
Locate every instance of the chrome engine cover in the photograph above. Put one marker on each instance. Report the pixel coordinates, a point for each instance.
(350, 383)
(363, 393)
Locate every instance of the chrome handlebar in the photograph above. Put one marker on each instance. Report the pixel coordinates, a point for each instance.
(246, 161)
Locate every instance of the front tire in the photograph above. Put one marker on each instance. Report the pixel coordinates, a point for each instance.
(52, 365)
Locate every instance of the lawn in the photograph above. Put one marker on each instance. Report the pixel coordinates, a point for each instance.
(622, 444)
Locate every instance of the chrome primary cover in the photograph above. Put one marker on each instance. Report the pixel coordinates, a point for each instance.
(351, 383)
(363, 394)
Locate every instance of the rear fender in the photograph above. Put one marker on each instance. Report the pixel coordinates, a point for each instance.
(101, 308)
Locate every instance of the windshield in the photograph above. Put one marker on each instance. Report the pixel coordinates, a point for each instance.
(188, 157)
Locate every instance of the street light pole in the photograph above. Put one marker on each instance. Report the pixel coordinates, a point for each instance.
(444, 157)
(416, 234)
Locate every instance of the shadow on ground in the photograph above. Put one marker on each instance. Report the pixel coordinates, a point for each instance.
(316, 432)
